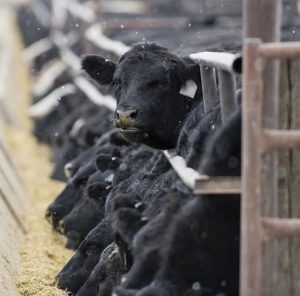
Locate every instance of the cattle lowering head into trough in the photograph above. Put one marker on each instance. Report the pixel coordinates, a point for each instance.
(155, 90)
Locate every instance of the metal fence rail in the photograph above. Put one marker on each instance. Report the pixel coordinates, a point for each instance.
(226, 66)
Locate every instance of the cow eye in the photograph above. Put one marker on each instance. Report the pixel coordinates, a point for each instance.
(163, 83)
(153, 83)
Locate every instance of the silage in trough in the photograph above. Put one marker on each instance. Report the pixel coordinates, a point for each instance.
(42, 252)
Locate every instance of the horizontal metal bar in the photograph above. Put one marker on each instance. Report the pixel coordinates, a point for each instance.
(67, 56)
(186, 174)
(127, 6)
(202, 184)
(96, 36)
(62, 40)
(94, 94)
(49, 102)
(146, 23)
(277, 227)
(81, 11)
(279, 50)
(275, 139)
(47, 77)
(220, 60)
(217, 185)
(59, 39)
(36, 49)
(72, 60)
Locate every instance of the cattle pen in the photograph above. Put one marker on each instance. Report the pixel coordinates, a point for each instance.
(268, 70)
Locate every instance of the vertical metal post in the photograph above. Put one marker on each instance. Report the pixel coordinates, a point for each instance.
(227, 94)
(209, 87)
(262, 19)
(58, 14)
(251, 182)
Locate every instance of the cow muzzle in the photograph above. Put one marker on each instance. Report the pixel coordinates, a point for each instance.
(126, 117)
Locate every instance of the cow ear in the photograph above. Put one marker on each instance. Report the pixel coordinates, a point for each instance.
(98, 68)
(102, 162)
(190, 81)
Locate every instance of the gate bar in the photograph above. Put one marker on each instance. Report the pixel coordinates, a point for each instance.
(274, 139)
(209, 87)
(279, 50)
(227, 94)
(262, 19)
(277, 227)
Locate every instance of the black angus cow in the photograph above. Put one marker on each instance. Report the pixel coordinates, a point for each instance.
(110, 143)
(129, 213)
(107, 273)
(93, 182)
(79, 131)
(162, 194)
(200, 253)
(81, 204)
(150, 183)
(116, 259)
(146, 244)
(154, 191)
(155, 90)
(96, 189)
(63, 204)
(80, 266)
(72, 193)
(155, 196)
(135, 175)
(197, 129)
(77, 224)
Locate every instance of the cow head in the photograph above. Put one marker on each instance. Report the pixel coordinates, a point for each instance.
(154, 89)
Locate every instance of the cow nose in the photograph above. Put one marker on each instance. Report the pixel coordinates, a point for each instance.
(68, 169)
(49, 215)
(61, 227)
(131, 113)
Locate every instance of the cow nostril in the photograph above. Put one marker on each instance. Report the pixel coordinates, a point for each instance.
(48, 215)
(68, 168)
(61, 227)
(132, 113)
(118, 114)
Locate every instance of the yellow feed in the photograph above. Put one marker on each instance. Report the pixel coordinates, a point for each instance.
(42, 253)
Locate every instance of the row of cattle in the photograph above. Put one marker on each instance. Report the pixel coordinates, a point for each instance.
(136, 228)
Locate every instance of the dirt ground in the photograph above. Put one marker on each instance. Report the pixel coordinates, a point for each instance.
(42, 253)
